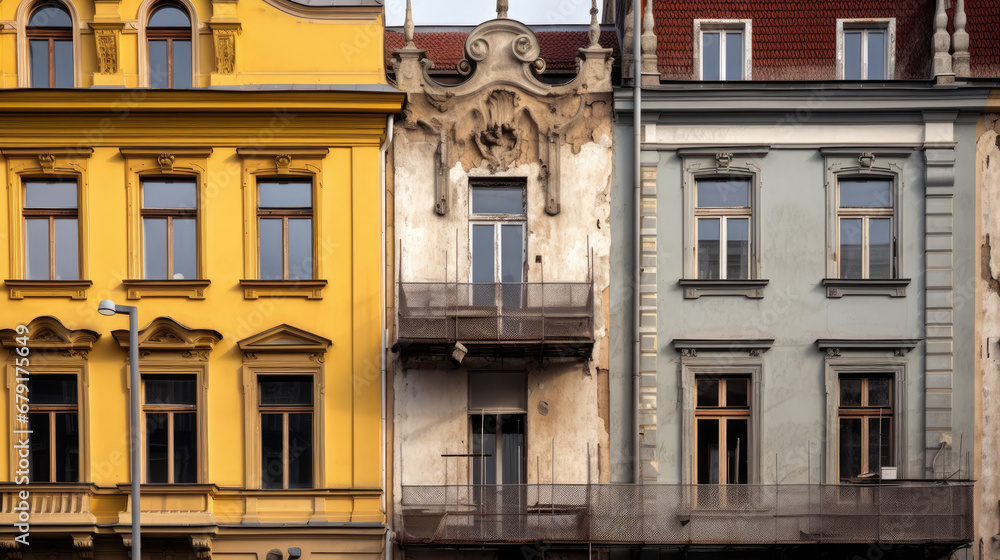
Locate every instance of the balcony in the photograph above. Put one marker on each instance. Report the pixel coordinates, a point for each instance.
(900, 512)
(509, 319)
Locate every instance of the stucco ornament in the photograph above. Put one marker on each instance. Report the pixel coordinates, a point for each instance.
(502, 115)
(107, 51)
(225, 51)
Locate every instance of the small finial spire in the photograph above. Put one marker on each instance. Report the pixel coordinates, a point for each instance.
(501, 8)
(408, 27)
(595, 29)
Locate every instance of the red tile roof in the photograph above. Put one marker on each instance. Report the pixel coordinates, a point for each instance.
(983, 25)
(794, 40)
(445, 49)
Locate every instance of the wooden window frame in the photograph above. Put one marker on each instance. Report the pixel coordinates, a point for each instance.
(724, 412)
(723, 214)
(285, 214)
(51, 34)
(864, 412)
(197, 374)
(170, 214)
(866, 214)
(52, 410)
(22, 16)
(51, 213)
(146, 9)
(285, 410)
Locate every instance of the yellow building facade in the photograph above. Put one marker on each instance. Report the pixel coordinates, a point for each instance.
(218, 165)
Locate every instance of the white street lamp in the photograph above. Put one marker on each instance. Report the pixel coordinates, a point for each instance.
(108, 307)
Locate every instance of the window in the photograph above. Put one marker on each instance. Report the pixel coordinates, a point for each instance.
(865, 49)
(723, 222)
(54, 423)
(497, 407)
(169, 228)
(722, 49)
(285, 226)
(865, 229)
(51, 229)
(50, 45)
(722, 429)
(171, 422)
(286, 431)
(865, 424)
(497, 235)
(169, 42)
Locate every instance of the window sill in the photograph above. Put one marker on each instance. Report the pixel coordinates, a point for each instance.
(191, 289)
(72, 289)
(694, 289)
(839, 287)
(309, 289)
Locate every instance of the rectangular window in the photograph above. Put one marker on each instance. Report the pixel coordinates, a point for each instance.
(866, 238)
(865, 427)
(722, 429)
(497, 230)
(169, 229)
(865, 49)
(286, 430)
(722, 56)
(723, 215)
(285, 229)
(54, 423)
(51, 229)
(171, 421)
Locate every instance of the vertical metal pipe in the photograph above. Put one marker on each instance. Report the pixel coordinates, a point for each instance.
(637, 178)
(136, 436)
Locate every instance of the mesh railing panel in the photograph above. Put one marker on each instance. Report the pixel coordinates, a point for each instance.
(440, 311)
(906, 512)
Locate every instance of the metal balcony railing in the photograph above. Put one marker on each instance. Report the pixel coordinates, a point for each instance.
(899, 512)
(507, 312)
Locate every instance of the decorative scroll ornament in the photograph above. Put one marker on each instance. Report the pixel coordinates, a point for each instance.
(723, 160)
(47, 162)
(283, 162)
(166, 162)
(866, 160)
(225, 51)
(498, 143)
(107, 51)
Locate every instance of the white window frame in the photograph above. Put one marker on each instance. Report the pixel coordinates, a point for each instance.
(881, 24)
(724, 214)
(500, 219)
(721, 26)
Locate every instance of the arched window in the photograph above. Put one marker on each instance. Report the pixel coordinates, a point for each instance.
(169, 35)
(50, 45)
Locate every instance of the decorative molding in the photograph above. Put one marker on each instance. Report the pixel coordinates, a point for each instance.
(839, 287)
(48, 333)
(309, 289)
(224, 36)
(752, 346)
(695, 288)
(837, 346)
(285, 338)
(191, 289)
(84, 545)
(348, 11)
(72, 289)
(166, 334)
(202, 545)
(107, 50)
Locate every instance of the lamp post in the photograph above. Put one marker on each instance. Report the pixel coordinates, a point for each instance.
(108, 308)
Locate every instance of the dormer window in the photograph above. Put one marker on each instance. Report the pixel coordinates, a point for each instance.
(865, 49)
(722, 49)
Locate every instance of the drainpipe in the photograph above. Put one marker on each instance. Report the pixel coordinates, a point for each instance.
(389, 534)
(637, 177)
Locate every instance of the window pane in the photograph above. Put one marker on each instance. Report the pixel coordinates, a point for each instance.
(64, 64)
(484, 442)
(271, 248)
(285, 194)
(157, 64)
(185, 249)
(734, 56)
(512, 448)
(879, 390)
(865, 193)
(497, 200)
(154, 248)
(170, 389)
(850, 447)
(272, 465)
(185, 448)
(169, 16)
(49, 194)
(879, 444)
(879, 248)
(169, 193)
(300, 250)
(710, 56)
(723, 193)
(850, 391)
(300, 450)
(39, 52)
(511, 253)
(36, 242)
(67, 249)
(876, 55)
(737, 392)
(708, 392)
(708, 249)
(50, 14)
(737, 248)
(285, 390)
(852, 55)
(850, 248)
(38, 467)
(737, 435)
(67, 447)
(483, 256)
(182, 63)
(708, 451)
(52, 389)
(157, 435)
(492, 390)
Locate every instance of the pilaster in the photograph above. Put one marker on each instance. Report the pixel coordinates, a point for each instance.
(648, 320)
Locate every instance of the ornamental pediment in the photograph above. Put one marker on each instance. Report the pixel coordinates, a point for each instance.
(284, 338)
(166, 334)
(49, 333)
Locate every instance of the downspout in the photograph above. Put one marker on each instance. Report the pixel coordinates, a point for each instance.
(389, 534)
(637, 254)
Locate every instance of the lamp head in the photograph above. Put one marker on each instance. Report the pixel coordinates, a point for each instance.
(107, 307)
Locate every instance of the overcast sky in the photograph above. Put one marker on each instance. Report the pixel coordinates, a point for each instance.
(474, 12)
